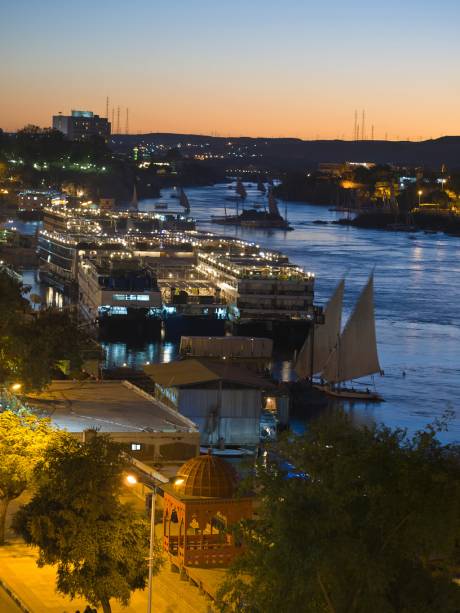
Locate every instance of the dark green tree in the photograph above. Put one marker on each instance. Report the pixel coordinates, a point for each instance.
(33, 343)
(368, 520)
(75, 518)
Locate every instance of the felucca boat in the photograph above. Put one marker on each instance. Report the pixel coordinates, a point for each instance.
(340, 357)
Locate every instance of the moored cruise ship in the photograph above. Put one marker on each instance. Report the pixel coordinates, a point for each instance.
(118, 291)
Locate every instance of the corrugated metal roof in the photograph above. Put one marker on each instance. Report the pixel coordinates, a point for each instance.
(176, 374)
(192, 372)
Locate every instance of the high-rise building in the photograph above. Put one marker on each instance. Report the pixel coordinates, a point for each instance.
(80, 125)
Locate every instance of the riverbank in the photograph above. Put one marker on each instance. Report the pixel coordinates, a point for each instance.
(429, 222)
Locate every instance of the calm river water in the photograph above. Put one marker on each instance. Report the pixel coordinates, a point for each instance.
(417, 295)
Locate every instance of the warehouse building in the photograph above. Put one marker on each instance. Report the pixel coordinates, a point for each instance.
(225, 401)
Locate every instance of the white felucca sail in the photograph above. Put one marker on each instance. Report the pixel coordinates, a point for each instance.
(355, 353)
(324, 337)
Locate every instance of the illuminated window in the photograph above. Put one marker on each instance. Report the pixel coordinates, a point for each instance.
(135, 446)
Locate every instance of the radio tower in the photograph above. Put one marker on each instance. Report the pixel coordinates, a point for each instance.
(118, 120)
(113, 120)
(127, 122)
(107, 108)
(355, 130)
(363, 126)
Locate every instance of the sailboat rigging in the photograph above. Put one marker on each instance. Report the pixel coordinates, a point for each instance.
(351, 354)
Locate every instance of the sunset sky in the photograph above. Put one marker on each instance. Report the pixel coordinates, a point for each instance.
(239, 67)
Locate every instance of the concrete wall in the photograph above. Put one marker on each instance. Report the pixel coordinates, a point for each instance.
(158, 446)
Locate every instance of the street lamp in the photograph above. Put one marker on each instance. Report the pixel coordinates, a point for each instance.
(16, 387)
(419, 197)
(132, 480)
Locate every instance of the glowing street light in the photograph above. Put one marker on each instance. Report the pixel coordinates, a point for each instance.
(16, 387)
(419, 196)
(133, 480)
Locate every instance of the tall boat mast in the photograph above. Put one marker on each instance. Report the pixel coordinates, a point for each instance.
(261, 186)
(240, 189)
(183, 200)
(272, 204)
(134, 201)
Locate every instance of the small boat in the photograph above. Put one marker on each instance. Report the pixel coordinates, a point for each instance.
(255, 218)
(346, 393)
(340, 357)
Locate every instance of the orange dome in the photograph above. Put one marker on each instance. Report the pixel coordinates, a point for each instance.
(207, 476)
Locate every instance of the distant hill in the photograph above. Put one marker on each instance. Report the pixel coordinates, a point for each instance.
(292, 153)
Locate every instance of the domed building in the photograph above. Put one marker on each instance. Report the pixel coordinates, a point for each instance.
(199, 507)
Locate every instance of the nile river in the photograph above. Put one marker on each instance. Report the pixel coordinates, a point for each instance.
(417, 295)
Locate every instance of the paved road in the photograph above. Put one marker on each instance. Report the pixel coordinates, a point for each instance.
(6, 604)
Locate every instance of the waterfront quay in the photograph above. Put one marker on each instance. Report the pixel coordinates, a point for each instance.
(125, 269)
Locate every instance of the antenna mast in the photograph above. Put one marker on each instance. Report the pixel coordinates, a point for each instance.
(118, 120)
(107, 108)
(363, 128)
(127, 122)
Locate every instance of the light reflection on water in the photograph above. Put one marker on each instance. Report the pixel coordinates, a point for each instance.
(123, 354)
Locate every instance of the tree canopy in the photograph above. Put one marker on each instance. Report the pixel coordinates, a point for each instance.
(23, 439)
(32, 343)
(352, 520)
(75, 518)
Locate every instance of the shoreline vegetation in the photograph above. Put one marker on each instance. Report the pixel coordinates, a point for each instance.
(416, 221)
(380, 197)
